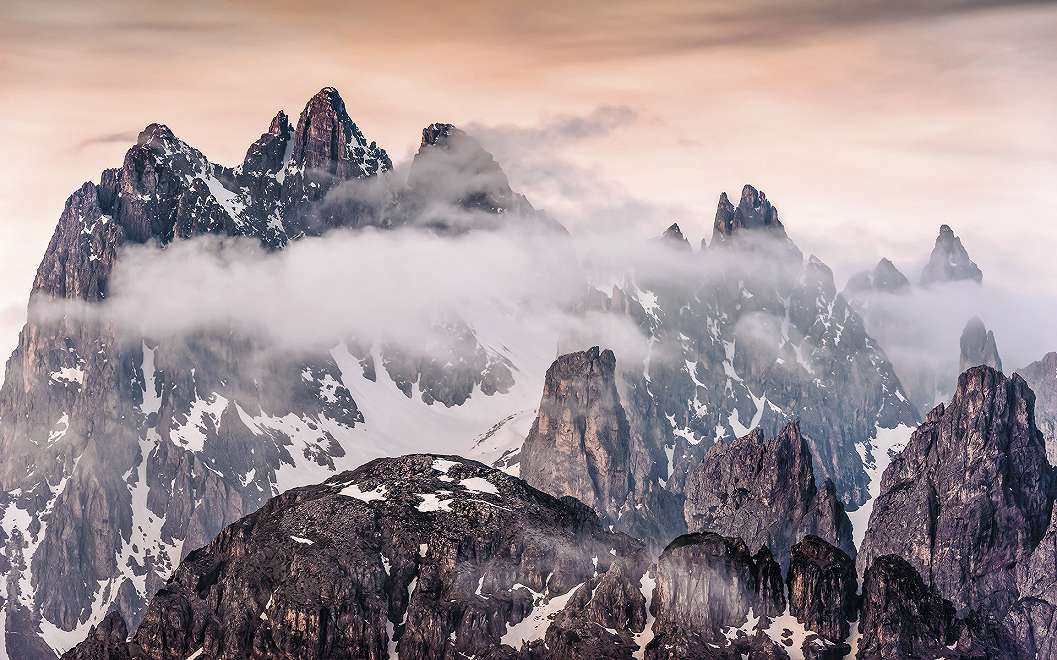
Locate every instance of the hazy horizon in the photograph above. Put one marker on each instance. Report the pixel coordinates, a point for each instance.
(868, 126)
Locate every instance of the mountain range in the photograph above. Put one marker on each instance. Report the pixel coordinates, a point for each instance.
(722, 492)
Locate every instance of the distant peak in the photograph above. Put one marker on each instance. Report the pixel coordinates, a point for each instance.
(978, 346)
(949, 261)
(437, 134)
(155, 135)
(673, 235)
(753, 212)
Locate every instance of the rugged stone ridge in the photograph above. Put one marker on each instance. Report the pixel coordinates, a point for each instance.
(121, 454)
(978, 346)
(428, 557)
(973, 475)
(583, 444)
(761, 340)
(969, 505)
(1041, 375)
(674, 235)
(949, 261)
(707, 586)
(764, 492)
(454, 185)
(754, 211)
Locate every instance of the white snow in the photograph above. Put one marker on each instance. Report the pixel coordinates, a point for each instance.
(68, 375)
(229, 201)
(876, 456)
(534, 626)
(354, 491)
(647, 584)
(191, 435)
(442, 465)
(479, 485)
(62, 425)
(432, 502)
(301, 539)
(788, 622)
(151, 400)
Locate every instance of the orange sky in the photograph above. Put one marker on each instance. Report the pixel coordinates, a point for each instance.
(867, 123)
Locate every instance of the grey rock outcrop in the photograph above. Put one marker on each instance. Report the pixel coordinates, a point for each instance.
(904, 619)
(764, 492)
(1041, 375)
(708, 586)
(884, 277)
(583, 444)
(978, 347)
(970, 497)
(949, 261)
(822, 586)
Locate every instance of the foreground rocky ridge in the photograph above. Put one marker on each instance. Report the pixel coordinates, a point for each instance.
(439, 557)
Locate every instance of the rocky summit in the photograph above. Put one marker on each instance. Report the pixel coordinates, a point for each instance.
(949, 261)
(969, 505)
(978, 346)
(122, 452)
(764, 491)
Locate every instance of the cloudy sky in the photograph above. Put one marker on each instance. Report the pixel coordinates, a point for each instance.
(867, 123)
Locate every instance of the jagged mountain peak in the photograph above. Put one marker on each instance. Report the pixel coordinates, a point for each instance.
(754, 212)
(949, 261)
(156, 135)
(326, 136)
(971, 495)
(437, 134)
(280, 124)
(673, 236)
(978, 346)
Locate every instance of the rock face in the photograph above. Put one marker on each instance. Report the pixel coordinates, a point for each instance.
(1042, 377)
(902, 618)
(823, 588)
(978, 346)
(950, 261)
(969, 505)
(582, 444)
(708, 586)
(764, 492)
(974, 475)
(428, 557)
(754, 211)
